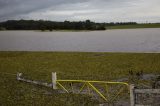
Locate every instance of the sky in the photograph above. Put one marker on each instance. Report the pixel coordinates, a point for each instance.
(79, 10)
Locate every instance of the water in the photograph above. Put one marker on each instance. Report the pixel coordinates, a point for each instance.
(128, 40)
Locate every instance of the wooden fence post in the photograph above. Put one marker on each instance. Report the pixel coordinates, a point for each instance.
(54, 79)
(132, 95)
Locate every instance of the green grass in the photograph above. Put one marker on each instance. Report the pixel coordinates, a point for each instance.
(134, 26)
(68, 65)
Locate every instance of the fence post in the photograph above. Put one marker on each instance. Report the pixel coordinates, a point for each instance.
(132, 95)
(19, 76)
(54, 79)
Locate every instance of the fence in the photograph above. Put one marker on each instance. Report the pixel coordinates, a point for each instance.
(19, 78)
(94, 88)
(107, 91)
(144, 97)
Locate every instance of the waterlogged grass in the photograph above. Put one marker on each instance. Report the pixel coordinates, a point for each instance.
(14, 93)
(68, 65)
(134, 26)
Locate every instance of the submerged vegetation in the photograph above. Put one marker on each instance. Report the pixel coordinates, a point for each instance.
(68, 65)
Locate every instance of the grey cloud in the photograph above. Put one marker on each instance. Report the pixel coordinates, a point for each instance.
(96, 10)
(10, 8)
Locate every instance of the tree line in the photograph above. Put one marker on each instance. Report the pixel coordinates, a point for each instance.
(54, 25)
(50, 25)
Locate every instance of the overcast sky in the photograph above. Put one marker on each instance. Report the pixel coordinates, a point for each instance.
(75, 10)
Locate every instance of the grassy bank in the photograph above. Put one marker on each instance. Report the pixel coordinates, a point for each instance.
(134, 26)
(70, 65)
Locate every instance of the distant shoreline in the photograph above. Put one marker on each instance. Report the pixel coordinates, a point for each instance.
(121, 27)
(136, 26)
(110, 28)
(87, 25)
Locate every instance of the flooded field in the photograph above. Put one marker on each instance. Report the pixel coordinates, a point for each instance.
(126, 40)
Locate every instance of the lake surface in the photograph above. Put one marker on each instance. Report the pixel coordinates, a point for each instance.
(128, 40)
